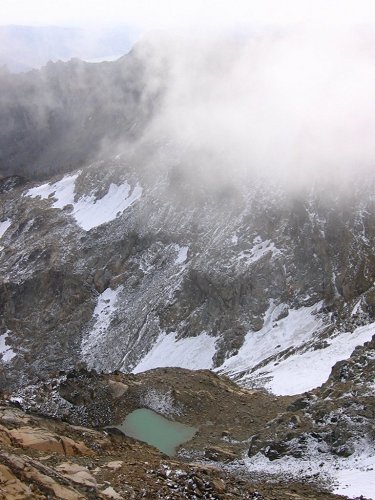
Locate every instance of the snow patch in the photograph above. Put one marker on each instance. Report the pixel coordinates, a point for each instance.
(357, 308)
(61, 191)
(353, 476)
(306, 367)
(161, 402)
(357, 478)
(6, 352)
(182, 253)
(258, 251)
(4, 226)
(194, 353)
(103, 314)
(88, 211)
(275, 336)
(303, 372)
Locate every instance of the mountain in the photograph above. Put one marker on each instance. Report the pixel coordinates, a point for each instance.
(29, 47)
(83, 105)
(134, 262)
(42, 457)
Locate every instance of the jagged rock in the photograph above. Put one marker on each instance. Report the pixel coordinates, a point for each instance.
(77, 474)
(13, 417)
(219, 486)
(111, 493)
(343, 451)
(218, 453)
(275, 451)
(117, 389)
(42, 440)
(295, 420)
(115, 465)
(28, 470)
(11, 488)
(102, 278)
(4, 435)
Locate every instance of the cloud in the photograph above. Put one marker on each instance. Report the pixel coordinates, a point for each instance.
(192, 14)
(292, 105)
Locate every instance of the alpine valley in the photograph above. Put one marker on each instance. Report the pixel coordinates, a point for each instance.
(243, 308)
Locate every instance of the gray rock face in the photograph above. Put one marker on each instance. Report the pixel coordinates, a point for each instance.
(200, 263)
(67, 113)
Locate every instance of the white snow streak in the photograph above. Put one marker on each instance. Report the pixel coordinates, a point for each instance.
(90, 213)
(182, 253)
(87, 211)
(259, 250)
(4, 226)
(103, 314)
(273, 338)
(6, 352)
(192, 352)
(357, 308)
(62, 191)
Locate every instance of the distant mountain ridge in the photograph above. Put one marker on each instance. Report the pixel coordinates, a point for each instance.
(23, 48)
(65, 114)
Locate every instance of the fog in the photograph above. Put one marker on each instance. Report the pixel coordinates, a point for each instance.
(293, 105)
(289, 104)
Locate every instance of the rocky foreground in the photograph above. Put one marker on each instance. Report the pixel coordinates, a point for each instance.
(68, 453)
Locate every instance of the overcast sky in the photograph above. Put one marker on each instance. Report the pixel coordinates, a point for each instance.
(176, 14)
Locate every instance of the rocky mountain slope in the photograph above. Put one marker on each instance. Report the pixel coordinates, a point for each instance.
(113, 268)
(44, 458)
(66, 114)
(119, 269)
(142, 260)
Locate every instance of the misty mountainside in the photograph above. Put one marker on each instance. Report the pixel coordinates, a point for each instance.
(126, 270)
(64, 115)
(117, 269)
(155, 250)
(146, 222)
(24, 48)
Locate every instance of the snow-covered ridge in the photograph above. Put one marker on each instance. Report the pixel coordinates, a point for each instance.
(88, 211)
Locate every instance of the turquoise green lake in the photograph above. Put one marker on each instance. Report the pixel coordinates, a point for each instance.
(152, 428)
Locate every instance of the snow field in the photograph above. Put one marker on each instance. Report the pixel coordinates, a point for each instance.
(192, 352)
(87, 211)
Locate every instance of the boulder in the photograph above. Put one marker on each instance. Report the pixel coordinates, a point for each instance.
(115, 465)
(111, 493)
(11, 487)
(4, 436)
(219, 454)
(77, 473)
(45, 441)
(117, 389)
